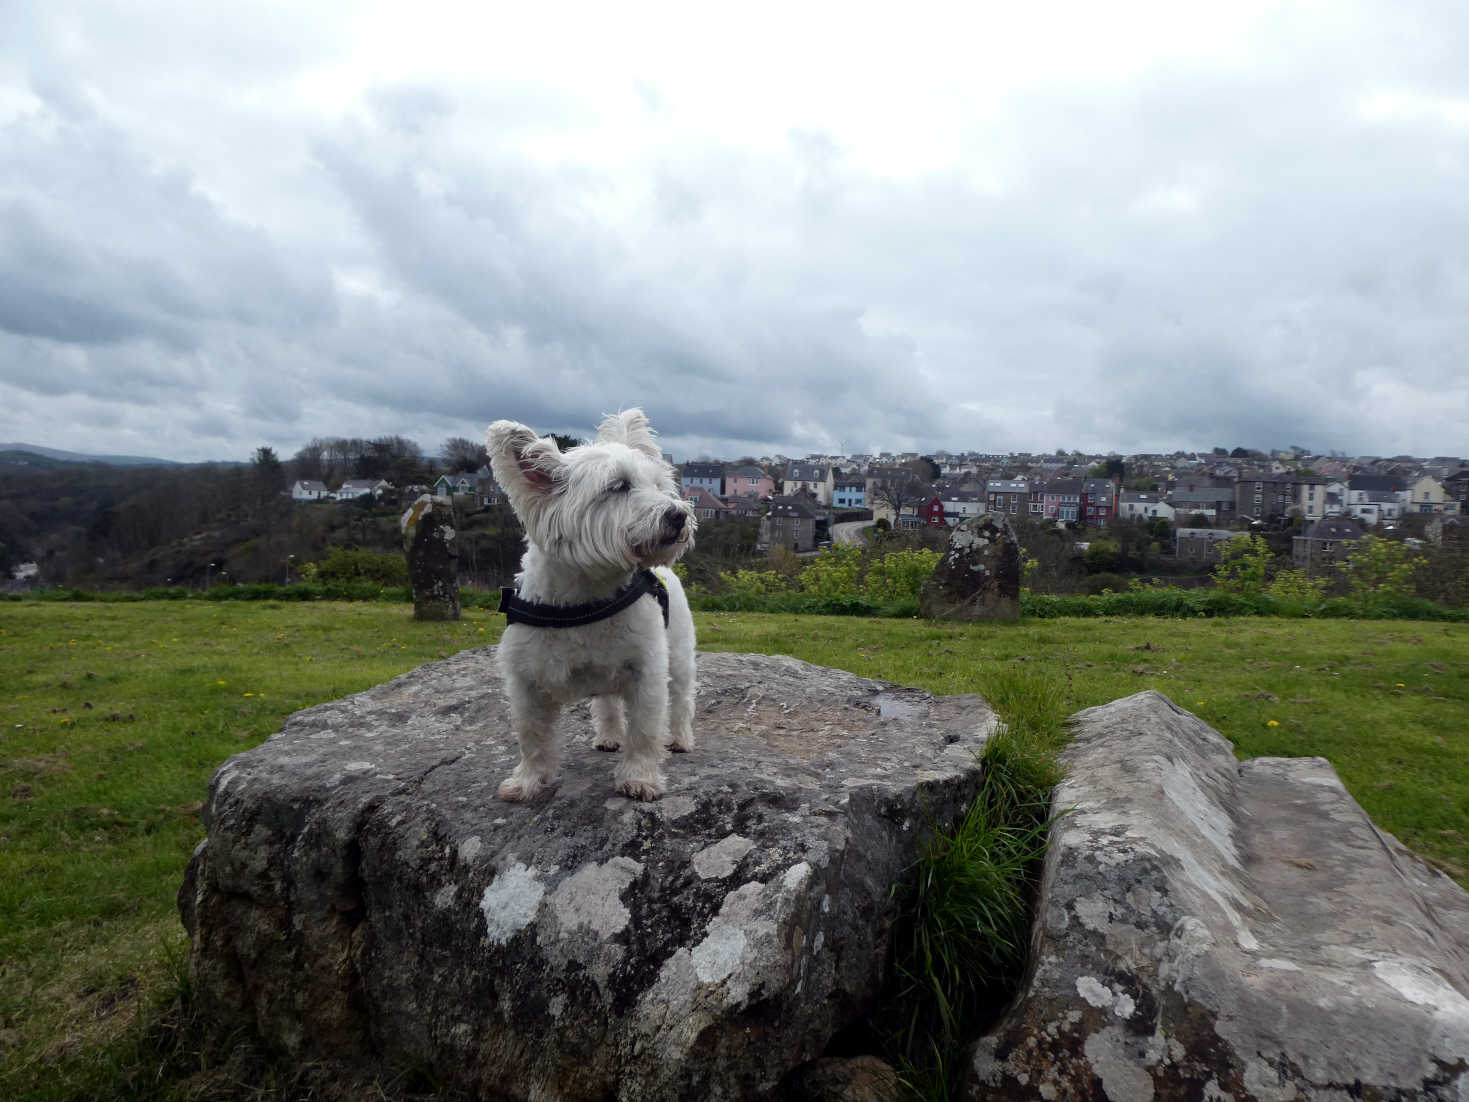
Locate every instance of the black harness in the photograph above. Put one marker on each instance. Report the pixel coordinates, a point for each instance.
(534, 614)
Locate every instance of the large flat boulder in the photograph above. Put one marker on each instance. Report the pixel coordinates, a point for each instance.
(363, 896)
(1218, 930)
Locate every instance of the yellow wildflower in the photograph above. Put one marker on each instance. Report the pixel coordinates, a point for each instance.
(1272, 723)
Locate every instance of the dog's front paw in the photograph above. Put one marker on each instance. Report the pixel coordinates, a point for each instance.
(641, 788)
(520, 787)
(683, 743)
(610, 745)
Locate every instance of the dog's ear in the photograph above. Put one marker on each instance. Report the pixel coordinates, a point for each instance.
(522, 462)
(630, 427)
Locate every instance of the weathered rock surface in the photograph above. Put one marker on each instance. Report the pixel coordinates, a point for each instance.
(430, 544)
(363, 895)
(979, 576)
(854, 1079)
(1219, 930)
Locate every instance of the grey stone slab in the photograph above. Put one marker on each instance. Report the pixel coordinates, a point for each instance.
(1210, 929)
(362, 894)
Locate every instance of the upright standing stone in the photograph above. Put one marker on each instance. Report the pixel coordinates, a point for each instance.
(979, 576)
(433, 557)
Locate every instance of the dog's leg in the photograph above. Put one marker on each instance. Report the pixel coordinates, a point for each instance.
(681, 685)
(638, 774)
(609, 722)
(682, 674)
(533, 714)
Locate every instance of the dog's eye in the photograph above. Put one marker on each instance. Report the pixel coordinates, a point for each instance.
(621, 486)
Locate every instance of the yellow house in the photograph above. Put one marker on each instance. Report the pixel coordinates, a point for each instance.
(1427, 496)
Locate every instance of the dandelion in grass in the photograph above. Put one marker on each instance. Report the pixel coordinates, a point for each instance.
(1400, 685)
(221, 682)
(1272, 723)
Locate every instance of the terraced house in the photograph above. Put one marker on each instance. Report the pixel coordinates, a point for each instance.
(1010, 496)
(815, 478)
(748, 482)
(1262, 495)
(704, 476)
(1374, 499)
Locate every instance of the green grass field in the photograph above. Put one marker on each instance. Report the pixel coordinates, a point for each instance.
(113, 717)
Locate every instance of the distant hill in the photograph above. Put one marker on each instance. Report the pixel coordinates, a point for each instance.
(33, 455)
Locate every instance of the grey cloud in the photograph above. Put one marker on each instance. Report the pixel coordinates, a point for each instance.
(98, 246)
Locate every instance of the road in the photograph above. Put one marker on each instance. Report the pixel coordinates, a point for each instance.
(850, 532)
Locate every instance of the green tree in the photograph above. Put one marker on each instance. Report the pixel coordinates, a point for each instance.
(1101, 556)
(1378, 568)
(1243, 562)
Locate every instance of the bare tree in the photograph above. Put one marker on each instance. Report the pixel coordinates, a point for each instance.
(901, 490)
(461, 454)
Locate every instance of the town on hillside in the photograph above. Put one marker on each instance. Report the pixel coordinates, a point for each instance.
(94, 525)
(1329, 501)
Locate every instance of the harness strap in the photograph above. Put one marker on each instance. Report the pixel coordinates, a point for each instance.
(537, 615)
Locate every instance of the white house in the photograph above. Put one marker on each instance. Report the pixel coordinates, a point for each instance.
(1144, 505)
(1374, 499)
(310, 489)
(354, 488)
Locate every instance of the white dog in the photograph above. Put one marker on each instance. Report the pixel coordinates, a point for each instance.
(595, 611)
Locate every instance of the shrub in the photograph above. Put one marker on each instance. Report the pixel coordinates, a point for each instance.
(376, 567)
(1298, 586)
(898, 576)
(834, 572)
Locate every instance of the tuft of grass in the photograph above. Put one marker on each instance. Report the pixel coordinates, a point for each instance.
(961, 940)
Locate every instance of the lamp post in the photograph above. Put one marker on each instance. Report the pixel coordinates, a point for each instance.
(208, 569)
(290, 562)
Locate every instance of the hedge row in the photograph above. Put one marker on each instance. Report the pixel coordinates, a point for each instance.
(1175, 603)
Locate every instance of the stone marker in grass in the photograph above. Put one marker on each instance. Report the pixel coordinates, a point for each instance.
(429, 543)
(979, 576)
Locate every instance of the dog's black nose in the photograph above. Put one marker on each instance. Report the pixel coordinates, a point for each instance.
(675, 520)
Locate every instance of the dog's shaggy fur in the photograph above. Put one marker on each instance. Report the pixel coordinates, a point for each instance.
(593, 516)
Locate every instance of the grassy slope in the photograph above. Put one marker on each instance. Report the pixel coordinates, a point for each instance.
(99, 805)
(1385, 701)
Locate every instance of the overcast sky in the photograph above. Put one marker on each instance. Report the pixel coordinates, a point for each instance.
(787, 227)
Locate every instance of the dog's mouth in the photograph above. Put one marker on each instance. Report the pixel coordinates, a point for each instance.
(674, 536)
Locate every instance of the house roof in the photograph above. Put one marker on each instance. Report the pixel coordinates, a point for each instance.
(1210, 495)
(807, 472)
(702, 470)
(1213, 535)
(312, 485)
(1064, 486)
(1334, 528)
(786, 507)
(701, 498)
(1382, 483)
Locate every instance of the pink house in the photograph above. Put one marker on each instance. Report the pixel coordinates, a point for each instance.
(748, 482)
